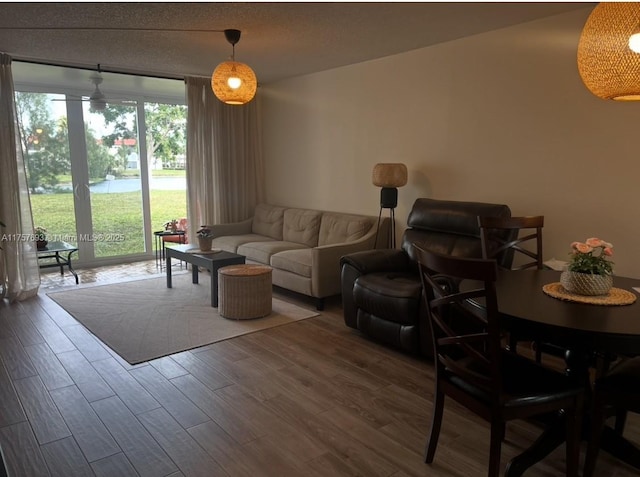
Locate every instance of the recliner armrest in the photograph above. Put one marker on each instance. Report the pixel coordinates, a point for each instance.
(361, 263)
(379, 260)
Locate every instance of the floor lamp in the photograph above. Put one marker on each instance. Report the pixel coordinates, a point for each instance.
(389, 176)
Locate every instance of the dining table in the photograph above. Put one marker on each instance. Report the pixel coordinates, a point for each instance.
(585, 330)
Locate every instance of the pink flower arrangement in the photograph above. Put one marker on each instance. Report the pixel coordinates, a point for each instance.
(590, 257)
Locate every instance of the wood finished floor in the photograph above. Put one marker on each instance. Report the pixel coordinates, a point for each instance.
(313, 398)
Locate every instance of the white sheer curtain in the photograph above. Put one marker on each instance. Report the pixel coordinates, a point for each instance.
(19, 274)
(225, 171)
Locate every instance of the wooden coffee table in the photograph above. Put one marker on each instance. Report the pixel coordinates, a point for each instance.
(211, 261)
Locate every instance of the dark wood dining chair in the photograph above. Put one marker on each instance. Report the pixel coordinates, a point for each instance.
(620, 389)
(474, 369)
(525, 244)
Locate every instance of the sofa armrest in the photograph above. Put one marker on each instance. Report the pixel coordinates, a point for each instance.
(379, 260)
(325, 267)
(235, 228)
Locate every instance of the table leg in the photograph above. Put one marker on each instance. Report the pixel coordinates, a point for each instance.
(71, 268)
(214, 278)
(214, 286)
(548, 441)
(159, 254)
(61, 264)
(619, 447)
(168, 271)
(182, 242)
(555, 433)
(194, 273)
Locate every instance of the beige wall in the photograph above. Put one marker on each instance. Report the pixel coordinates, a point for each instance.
(498, 117)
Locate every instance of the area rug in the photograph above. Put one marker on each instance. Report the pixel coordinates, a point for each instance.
(143, 319)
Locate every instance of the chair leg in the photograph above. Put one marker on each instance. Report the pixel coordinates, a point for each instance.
(602, 363)
(574, 434)
(597, 424)
(621, 419)
(513, 343)
(538, 352)
(436, 422)
(497, 435)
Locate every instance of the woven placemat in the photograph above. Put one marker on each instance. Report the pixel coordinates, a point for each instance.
(616, 296)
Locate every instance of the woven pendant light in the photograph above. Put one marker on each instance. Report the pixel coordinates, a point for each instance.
(233, 82)
(609, 68)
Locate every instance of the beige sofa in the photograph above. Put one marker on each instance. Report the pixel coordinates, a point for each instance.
(303, 246)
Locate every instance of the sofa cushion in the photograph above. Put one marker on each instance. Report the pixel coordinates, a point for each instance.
(230, 243)
(261, 252)
(301, 226)
(341, 228)
(295, 261)
(267, 221)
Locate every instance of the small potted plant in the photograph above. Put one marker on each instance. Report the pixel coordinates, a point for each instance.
(171, 225)
(589, 272)
(40, 235)
(205, 236)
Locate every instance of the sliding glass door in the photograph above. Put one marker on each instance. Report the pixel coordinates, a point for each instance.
(44, 134)
(89, 175)
(166, 133)
(114, 188)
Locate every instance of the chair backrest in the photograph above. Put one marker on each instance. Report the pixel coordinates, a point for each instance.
(474, 356)
(526, 241)
(450, 227)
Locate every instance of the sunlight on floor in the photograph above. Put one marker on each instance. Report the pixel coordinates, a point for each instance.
(52, 280)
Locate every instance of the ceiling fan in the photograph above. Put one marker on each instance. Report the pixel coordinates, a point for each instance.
(97, 99)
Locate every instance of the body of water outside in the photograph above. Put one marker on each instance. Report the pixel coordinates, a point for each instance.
(133, 185)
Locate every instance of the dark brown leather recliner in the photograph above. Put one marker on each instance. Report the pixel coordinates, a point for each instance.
(381, 290)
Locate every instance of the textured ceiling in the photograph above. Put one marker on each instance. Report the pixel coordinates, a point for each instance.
(279, 40)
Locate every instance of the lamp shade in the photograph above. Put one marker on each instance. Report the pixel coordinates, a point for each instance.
(234, 82)
(389, 175)
(609, 68)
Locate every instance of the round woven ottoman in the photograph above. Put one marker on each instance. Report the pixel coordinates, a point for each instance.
(244, 291)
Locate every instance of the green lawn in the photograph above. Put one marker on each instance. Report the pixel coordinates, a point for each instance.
(117, 218)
